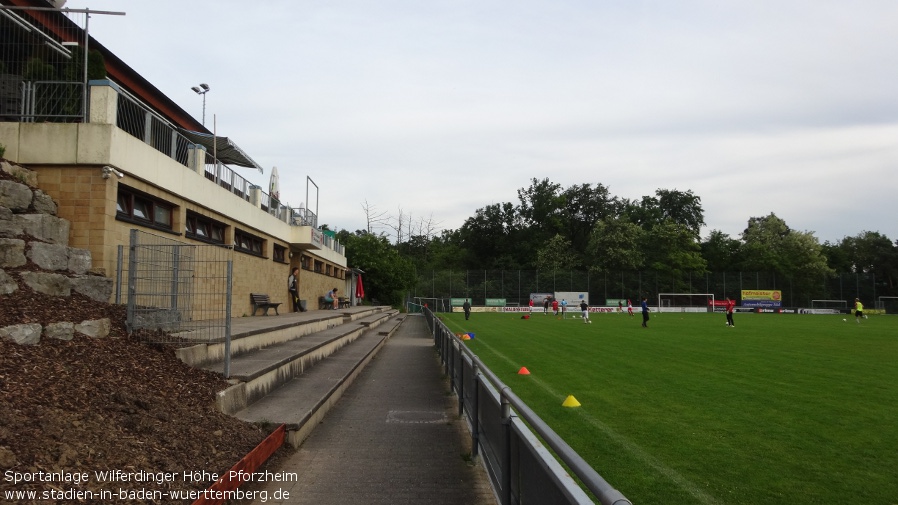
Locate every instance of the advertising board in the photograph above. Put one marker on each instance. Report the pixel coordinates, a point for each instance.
(762, 298)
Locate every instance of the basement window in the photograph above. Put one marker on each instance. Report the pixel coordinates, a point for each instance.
(202, 228)
(139, 208)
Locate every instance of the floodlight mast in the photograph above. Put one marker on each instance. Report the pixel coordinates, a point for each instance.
(202, 89)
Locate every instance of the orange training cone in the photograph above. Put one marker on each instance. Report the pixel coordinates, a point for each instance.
(570, 401)
(523, 371)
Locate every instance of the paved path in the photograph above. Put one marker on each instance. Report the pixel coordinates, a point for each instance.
(394, 437)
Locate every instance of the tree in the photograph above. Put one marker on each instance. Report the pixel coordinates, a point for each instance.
(388, 276)
(491, 238)
(557, 254)
(837, 256)
(645, 212)
(770, 245)
(373, 218)
(584, 206)
(672, 248)
(869, 252)
(683, 208)
(722, 252)
(541, 209)
(615, 245)
(763, 244)
(445, 252)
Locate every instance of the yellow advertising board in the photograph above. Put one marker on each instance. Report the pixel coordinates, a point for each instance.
(762, 298)
(762, 294)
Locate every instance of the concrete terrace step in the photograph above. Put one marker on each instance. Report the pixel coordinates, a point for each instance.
(260, 372)
(249, 334)
(303, 402)
(252, 365)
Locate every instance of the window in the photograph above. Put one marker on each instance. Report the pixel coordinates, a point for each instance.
(202, 228)
(279, 253)
(246, 242)
(137, 207)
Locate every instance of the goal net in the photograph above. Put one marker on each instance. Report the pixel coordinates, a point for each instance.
(685, 302)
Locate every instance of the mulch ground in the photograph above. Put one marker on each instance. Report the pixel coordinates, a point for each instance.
(106, 404)
(91, 405)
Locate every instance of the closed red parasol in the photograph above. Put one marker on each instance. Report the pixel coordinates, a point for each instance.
(359, 289)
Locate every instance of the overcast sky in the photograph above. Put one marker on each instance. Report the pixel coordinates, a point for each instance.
(438, 108)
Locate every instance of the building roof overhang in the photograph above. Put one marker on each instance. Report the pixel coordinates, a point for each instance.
(224, 149)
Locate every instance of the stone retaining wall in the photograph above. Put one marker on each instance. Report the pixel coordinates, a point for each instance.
(34, 249)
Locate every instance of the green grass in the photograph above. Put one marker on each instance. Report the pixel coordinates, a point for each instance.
(795, 409)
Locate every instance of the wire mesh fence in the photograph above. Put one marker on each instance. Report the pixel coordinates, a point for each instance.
(515, 286)
(43, 65)
(177, 293)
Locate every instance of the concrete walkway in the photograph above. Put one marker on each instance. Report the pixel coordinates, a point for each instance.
(393, 438)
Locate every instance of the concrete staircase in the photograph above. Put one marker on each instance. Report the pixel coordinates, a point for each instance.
(292, 368)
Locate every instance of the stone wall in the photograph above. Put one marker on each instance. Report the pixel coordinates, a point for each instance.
(34, 250)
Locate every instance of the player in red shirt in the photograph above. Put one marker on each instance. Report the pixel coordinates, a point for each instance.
(555, 306)
(731, 304)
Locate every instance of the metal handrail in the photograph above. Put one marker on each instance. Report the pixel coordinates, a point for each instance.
(604, 491)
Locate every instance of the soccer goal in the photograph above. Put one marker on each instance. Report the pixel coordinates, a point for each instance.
(839, 305)
(435, 304)
(685, 302)
(887, 304)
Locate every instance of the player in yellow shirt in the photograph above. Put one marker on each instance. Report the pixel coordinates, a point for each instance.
(858, 310)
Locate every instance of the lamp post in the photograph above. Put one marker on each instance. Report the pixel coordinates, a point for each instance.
(202, 89)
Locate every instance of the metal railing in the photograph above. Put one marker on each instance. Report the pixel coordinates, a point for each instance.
(139, 120)
(51, 101)
(504, 433)
(42, 71)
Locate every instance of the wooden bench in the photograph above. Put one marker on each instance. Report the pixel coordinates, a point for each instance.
(261, 301)
(324, 304)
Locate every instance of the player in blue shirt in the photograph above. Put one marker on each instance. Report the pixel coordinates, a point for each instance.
(645, 313)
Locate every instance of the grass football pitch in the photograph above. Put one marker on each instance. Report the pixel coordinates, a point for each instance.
(799, 409)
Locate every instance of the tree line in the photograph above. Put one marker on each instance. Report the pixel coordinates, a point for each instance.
(585, 227)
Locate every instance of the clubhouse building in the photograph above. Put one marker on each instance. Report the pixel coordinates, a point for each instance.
(118, 155)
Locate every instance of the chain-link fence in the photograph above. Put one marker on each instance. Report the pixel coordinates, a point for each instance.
(176, 293)
(515, 286)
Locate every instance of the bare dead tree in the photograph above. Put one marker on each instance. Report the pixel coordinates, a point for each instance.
(399, 227)
(427, 228)
(373, 218)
